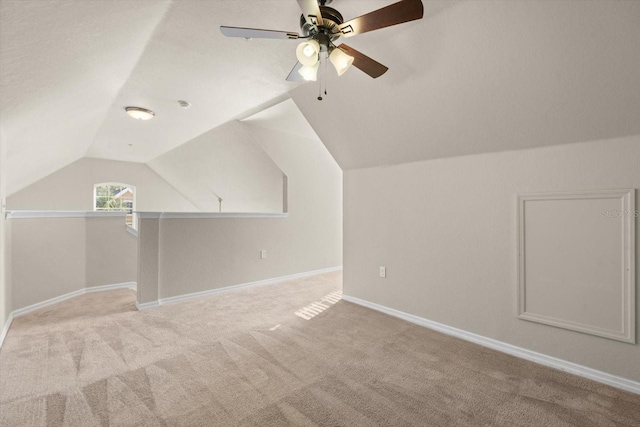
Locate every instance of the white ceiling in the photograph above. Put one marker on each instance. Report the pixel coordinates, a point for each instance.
(62, 65)
(283, 117)
(471, 77)
(486, 76)
(187, 58)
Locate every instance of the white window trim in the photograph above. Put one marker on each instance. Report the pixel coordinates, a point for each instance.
(120, 184)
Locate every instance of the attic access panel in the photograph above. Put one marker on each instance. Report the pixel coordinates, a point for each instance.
(576, 261)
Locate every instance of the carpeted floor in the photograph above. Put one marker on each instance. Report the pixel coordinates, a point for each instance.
(276, 355)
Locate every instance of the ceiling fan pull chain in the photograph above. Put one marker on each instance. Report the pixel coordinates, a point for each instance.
(325, 72)
(320, 75)
(325, 81)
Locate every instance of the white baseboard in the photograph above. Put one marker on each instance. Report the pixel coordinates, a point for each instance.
(5, 329)
(146, 305)
(124, 285)
(542, 359)
(39, 305)
(186, 297)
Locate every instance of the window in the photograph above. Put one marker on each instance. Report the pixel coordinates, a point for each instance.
(114, 197)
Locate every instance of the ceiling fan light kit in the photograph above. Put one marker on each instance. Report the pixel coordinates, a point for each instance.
(310, 72)
(340, 60)
(322, 25)
(307, 52)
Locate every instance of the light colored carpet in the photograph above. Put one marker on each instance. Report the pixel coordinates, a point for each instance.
(246, 358)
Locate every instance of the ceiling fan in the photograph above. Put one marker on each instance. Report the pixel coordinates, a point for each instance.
(321, 25)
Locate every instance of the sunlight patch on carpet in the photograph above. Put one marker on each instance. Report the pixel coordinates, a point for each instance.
(315, 308)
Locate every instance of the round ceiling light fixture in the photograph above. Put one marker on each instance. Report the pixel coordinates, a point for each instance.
(139, 113)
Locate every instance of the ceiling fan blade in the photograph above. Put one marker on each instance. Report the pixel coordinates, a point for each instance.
(397, 13)
(257, 33)
(294, 75)
(363, 62)
(311, 11)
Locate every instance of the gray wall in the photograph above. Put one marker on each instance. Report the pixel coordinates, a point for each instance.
(195, 255)
(111, 252)
(4, 289)
(446, 231)
(147, 270)
(51, 257)
(47, 259)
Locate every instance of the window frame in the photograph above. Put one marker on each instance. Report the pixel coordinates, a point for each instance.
(134, 217)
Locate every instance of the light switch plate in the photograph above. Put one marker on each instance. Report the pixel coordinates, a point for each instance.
(383, 271)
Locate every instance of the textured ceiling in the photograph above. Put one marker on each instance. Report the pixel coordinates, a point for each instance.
(189, 59)
(486, 76)
(473, 76)
(283, 117)
(62, 63)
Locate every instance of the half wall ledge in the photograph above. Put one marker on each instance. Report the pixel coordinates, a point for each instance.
(61, 214)
(193, 252)
(196, 215)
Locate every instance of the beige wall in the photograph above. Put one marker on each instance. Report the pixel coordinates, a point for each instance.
(71, 188)
(8, 292)
(4, 296)
(147, 270)
(48, 258)
(446, 232)
(51, 257)
(202, 254)
(314, 188)
(111, 252)
(224, 162)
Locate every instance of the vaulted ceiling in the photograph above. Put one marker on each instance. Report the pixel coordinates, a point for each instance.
(471, 77)
(487, 76)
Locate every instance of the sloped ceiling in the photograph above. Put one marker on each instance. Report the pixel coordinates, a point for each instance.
(486, 76)
(62, 64)
(189, 59)
(473, 76)
(224, 163)
(283, 117)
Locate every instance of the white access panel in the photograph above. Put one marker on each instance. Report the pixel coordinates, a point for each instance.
(576, 261)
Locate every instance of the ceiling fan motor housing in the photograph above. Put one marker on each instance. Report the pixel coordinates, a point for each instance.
(331, 18)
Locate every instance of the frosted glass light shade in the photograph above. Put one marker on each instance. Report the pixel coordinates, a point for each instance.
(340, 60)
(140, 113)
(309, 72)
(307, 52)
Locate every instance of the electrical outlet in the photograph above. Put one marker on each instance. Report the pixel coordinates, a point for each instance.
(383, 271)
(263, 254)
